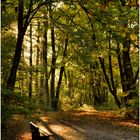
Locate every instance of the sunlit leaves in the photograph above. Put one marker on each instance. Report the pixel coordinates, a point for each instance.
(106, 20)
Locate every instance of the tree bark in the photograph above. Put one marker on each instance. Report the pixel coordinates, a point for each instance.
(110, 69)
(30, 72)
(130, 87)
(61, 73)
(37, 60)
(121, 68)
(121, 74)
(53, 65)
(41, 78)
(23, 22)
(45, 62)
(21, 32)
(94, 90)
(113, 92)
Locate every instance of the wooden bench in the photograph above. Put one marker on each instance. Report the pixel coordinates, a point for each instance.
(38, 134)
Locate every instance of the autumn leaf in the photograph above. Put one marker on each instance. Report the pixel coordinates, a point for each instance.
(104, 5)
(133, 37)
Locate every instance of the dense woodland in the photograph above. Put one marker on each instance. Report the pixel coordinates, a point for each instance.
(67, 54)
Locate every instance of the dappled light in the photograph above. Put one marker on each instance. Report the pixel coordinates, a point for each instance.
(24, 136)
(129, 123)
(69, 69)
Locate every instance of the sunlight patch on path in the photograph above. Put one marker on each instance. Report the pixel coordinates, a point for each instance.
(83, 125)
(67, 132)
(72, 132)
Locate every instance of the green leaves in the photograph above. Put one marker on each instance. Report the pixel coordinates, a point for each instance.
(94, 28)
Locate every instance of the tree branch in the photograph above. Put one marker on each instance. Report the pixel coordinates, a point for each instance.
(136, 76)
(33, 12)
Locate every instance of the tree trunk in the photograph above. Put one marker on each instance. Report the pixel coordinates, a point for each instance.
(12, 77)
(22, 73)
(61, 73)
(121, 68)
(52, 90)
(30, 72)
(37, 61)
(41, 79)
(70, 84)
(110, 69)
(22, 27)
(94, 90)
(113, 92)
(45, 62)
(128, 72)
(121, 73)
(23, 22)
(21, 32)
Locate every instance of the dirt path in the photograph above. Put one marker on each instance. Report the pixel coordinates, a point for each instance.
(79, 126)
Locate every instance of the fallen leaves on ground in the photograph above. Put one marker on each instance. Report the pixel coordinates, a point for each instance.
(71, 125)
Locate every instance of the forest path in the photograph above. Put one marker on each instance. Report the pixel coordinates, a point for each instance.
(78, 125)
(91, 125)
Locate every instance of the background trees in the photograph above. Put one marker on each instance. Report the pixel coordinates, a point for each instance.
(72, 53)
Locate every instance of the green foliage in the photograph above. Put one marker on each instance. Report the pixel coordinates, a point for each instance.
(83, 77)
(8, 41)
(131, 112)
(7, 19)
(110, 105)
(9, 16)
(68, 104)
(15, 103)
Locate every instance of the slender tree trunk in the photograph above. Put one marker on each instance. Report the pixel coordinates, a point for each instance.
(108, 83)
(45, 61)
(37, 61)
(41, 74)
(70, 84)
(114, 89)
(61, 73)
(30, 72)
(41, 79)
(20, 77)
(121, 73)
(94, 91)
(110, 69)
(121, 68)
(22, 73)
(96, 88)
(53, 66)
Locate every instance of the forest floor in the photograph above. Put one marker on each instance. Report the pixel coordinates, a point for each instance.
(76, 125)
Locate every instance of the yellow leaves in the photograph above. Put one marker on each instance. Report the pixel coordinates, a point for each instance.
(90, 15)
(123, 34)
(133, 37)
(134, 3)
(104, 5)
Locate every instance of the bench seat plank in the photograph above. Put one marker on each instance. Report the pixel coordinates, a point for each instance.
(38, 134)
